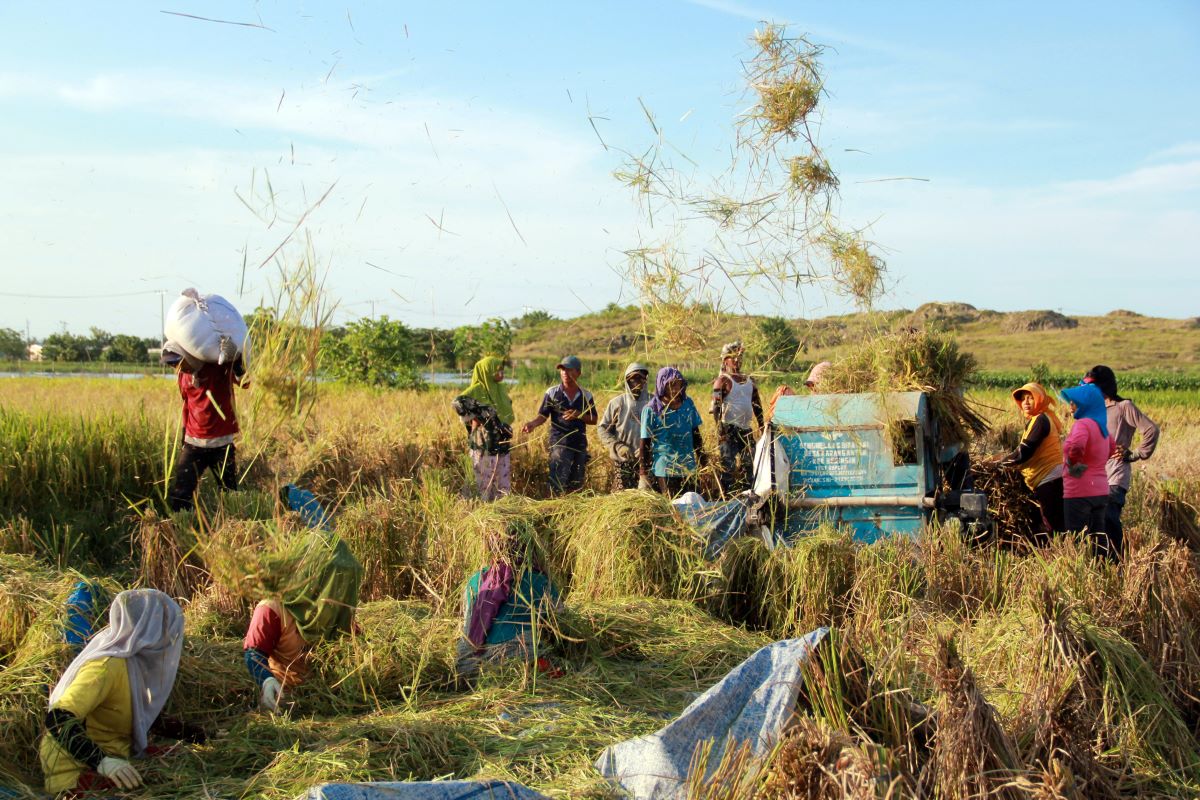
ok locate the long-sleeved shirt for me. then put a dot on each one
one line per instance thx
(622, 422)
(1086, 445)
(1124, 419)
(1039, 454)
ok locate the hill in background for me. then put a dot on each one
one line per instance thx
(1016, 340)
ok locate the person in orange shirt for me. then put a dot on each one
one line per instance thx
(318, 603)
(1039, 455)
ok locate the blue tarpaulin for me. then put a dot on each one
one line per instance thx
(305, 503)
(424, 790)
(721, 520)
(751, 705)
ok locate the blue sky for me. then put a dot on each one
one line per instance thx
(1060, 143)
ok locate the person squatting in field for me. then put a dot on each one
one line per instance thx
(735, 402)
(487, 413)
(210, 424)
(1039, 455)
(570, 409)
(506, 607)
(1124, 420)
(317, 603)
(672, 450)
(620, 428)
(104, 706)
(1085, 451)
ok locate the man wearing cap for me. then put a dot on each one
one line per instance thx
(570, 409)
(735, 403)
(620, 427)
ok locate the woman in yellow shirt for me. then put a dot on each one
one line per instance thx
(102, 707)
(1039, 456)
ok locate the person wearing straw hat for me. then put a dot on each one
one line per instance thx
(487, 413)
(318, 602)
(1124, 420)
(735, 403)
(672, 450)
(103, 706)
(570, 409)
(1039, 455)
(620, 428)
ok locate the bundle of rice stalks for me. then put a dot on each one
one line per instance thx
(628, 543)
(166, 549)
(785, 74)
(672, 633)
(212, 685)
(1161, 598)
(972, 756)
(889, 580)
(788, 591)
(916, 361)
(387, 535)
(26, 589)
(401, 647)
(853, 266)
(1011, 504)
(961, 578)
(1175, 514)
(815, 761)
(811, 174)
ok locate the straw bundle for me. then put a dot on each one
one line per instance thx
(811, 174)
(814, 761)
(853, 266)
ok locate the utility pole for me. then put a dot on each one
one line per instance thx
(162, 314)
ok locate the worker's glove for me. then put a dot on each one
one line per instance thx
(120, 772)
(271, 689)
(644, 483)
(624, 452)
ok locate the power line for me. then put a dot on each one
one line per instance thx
(78, 296)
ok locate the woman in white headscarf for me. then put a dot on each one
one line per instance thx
(103, 706)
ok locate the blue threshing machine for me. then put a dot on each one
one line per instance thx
(873, 462)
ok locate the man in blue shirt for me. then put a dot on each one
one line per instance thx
(570, 409)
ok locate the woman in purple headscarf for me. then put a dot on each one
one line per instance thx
(672, 450)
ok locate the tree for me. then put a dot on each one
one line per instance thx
(773, 344)
(530, 319)
(12, 345)
(128, 349)
(436, 346)
(377, 352)
(65, 347)
(473, 342)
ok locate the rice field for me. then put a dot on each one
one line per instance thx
(956, 672)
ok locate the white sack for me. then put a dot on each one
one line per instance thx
(207, 326)
(768, 448)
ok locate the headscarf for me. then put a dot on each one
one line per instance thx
(816, 373)
(630, 370)
(1089, 404)
(322, 588)
(145, 627)
(485, 389)
(658, 403)
(1042, 403)
(1105, 380)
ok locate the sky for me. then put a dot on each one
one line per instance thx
(1049, 152)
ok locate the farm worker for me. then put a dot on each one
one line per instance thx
(671, 449)
(1085, 452)
(1124, 419)
(209, 424)
(102, 707)
(505, 607)
(735, 402)
(487, 413)
(620, 428)
(570, 409)
(813, 381)
(1039, 455)
(318, 603)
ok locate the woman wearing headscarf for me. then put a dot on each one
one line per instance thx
(621, 425)
(1085, 451)
(1124, 420)
(102, 707)
(1039, 455)
(672, 449)
(487, 413)
(317, 603)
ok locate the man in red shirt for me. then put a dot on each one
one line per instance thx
(209, 426)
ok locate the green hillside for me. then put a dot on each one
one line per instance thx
(1017, 340)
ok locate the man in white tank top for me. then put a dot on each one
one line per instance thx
(735, 405)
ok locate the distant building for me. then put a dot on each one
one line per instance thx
(34, 352)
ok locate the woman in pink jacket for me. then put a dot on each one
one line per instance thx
(1085, 452)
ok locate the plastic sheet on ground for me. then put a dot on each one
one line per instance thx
(751, 705)
(305, 503)
(722, 520)
(423, 790)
